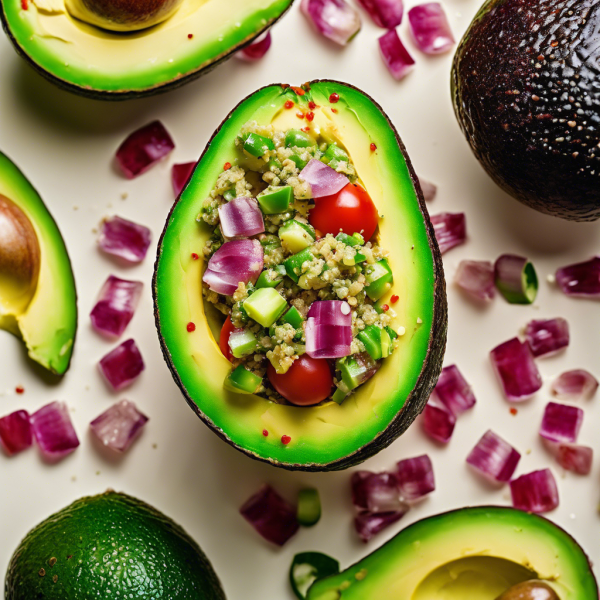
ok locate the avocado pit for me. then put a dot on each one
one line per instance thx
(530, 590)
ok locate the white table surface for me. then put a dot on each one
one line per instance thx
(65, 145)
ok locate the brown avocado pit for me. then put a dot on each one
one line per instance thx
(529, 590)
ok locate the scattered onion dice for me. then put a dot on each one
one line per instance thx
(415, 477)
(575, 458)
(375, 492)
(429, 189)
(385, 13)
(535, 492)
(453, 391)
(53, 430)
(438, 422)
(450, 230)
(257, 49)
(476, 278)
(581, 279)
(395, 56)
(180, 173)
(15, 432)
(123, 365)
(118, 426)
(494, 458)
(561, 422)
(125, 239)
(430, 28)
(335, 19)
(547, 336)
(578, 384)
(368, 524)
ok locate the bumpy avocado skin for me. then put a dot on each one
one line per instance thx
(526, 95)
(107, 546)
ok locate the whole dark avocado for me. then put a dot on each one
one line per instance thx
(526, 92)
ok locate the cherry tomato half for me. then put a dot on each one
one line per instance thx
(350, 210)
(307, 382)
(226, 331)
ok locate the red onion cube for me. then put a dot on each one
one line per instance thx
(547, 336)
(15, 432)
(335, 19)
(453, 391)
(322, 179)
(561, 422)
(180, 174)
(257, 49)
(241, 218)
(438, 422)
(116, 304)
(122, 365)
(429, 189)
(395, 55)
(450, 230)
(53, 430)
(144, 148)
(516, 370)
(575, 458)
(535, 492)
(430, 28)
(375, 492)
(581, 279)
(476, 278)
(272, 516)
(368, 524)
(385, 13)
(124, 239)
(578, 384)
(415, 477)
(494, 458)
(118, 426)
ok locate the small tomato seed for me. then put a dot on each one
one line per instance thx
(288, 104)
(285, 439)
(191, 327)
(265, 432)
(312, 105)
(310, 116)
(195, 256)
(394, 299)
(334, 98)
(334, 110)
(373, 147)
(227, 166)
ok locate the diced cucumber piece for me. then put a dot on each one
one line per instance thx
(352, 371)
(295, 137)
(295, 262)
(257, 145)
(242, 343)
(334, 152)
(393, 335)
(306, 568)
(270, 278)
(296, 235)
(356, 239)
(275, 199)
(298, 161)
(229, 195)
(371, 337)
(242, 381)
(379, 279)
(309, 507)
(293, 317)
(265, 306)
(386, 344)
(273, 164)
(339, 395)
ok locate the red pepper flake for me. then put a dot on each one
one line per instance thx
(334, 110)
(20, 389)
(312, 105)
(285, 86)
(288, 104)
(394, 299)
(191, 327)
(299, 91)
(385, 308)
(265, 432)
(334, 98)
(373, 147)
(285, 439)
(300, 114)
(513, 411)
(195, 256)
(306, 129)
(310, 116)
(190, 36)
(24, 4)
(227, 166)
(554, 44)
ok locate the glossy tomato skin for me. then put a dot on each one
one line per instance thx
(307, 382)
(226, 331)
(350, 210)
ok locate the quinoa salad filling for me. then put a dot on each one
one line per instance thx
(297, 276)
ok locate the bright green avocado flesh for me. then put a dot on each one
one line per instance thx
(46, 316)
(97, 62)
(468, 554)
(110, 546)
(329, 435)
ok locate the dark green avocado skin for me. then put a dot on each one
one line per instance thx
(526, 92)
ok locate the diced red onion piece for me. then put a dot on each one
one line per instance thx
(234, 262)
(385, 13)
(476, 277)
(116, 304)
(180, 173)
(375, 492)
(118, 426)
(415, 477)
(429, 189)
(430, 28)
(494, 458)
(581, 279)
(241, 218)
(438, 422)
(575, 458)
(144, 148)
(453, 391)
(53, 430)
(122, 365)
(15, 432)
(124, 239)
(272, 516)
(395, 55)
(257, 49)
(335, 19)
(547, 336)
(516, 369)
(368, 524)
(328, 329)
(578, 384)
(561, 422)
(535, 492)
(322, 179)
(450, 230)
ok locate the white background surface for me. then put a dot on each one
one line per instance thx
(65, 145)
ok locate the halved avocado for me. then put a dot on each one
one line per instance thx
(471, 553)
(38, 301)
(327, 436)
(111, 65)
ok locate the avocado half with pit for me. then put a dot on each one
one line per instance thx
(472, 553)
(38, 301)
(326, 436)
(133, 57)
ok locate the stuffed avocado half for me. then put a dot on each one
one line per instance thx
(483, 553)
(71, 42)
(383, 379)
(38, 301)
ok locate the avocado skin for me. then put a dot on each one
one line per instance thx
(432, 365)
(134, 536)
(131, 94)
(507, 49)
